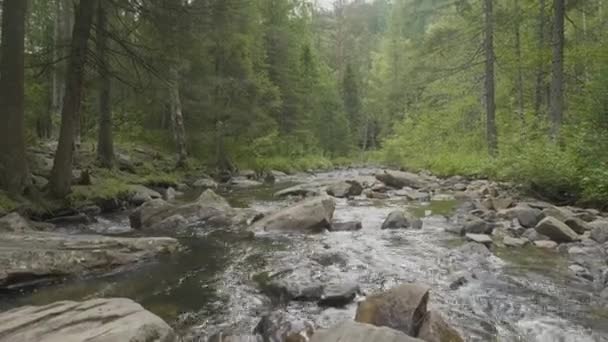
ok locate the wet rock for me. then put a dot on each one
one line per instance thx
(205, 183)
(474, 250)
(359, 332)
(399, 179)
(556, 230)
(71, 220)
(599, 231)
(235, 338)
(96, 320)
(562, 214)
(578, 225)
(169, 194)
(459, 187)
(514, 242)
(346, 226)
(37, 257)
(280, 326)
(379, 187)
(339, 295)
(479, 238)
(14, 223)
(171, 223)
(414, 195)
(375, 195)
(401, 308)
(461, 279)
(331, 258)
(312, 215)
(435, 329)
(455, 229)
(244, 183)
(298, 191)
(547, 244)
(150, 213)
(532, 235)
(142, 194)
(399, 219)
(527, 216)
(247, 174)
(478, 226)
(580, 272)
(345, 189)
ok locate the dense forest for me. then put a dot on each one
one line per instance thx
(514, 90)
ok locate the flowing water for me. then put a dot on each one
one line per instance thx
(519, 295)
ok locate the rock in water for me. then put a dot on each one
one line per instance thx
(479, 238)
(359, 332)
(142, 194)
(599, 231)
(399, 179)
(345, 189)
(280, 326)
(556, 230)
(346, 226)
(547, 244)
(401, 308)
(398, 219)
(527, 216)
(338, 295)
(478, 226)
(96, 320)
(312, 215)
(514, 242)
(14, 223)
(435, 329)
(578, 225)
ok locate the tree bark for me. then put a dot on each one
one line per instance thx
(540, 72)
(520, 73)
(491, 133)
(61, 174)
(557, 69)
(177, 118)
(105, 142)
(14, 175)
(62, 33)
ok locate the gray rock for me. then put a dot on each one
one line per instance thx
(562, 214)
(401, 308)
(547, 244)
(279, 326)
(435, 329)
(399, 219)
(474, 250)
(532, 235)
(527, 216)
(248, 174)
(479, 238)
(502, 203)
(399, 179)
(578, 225)
(221, 337)
(478, 226)
(375, 195)
(298, 191)
(205, 183)
(14, 223)
(359, 332)
(604, 294)
(599, 231)
(36, 257)
(244, 183)
(414, 195)
(514, 242)
(76, 219)
(169, 194)
(580, 272)
(556, 230)
(345, 189)
(312, 215)
(96, 320)
(339, 295)
(346, 226)
(142, 194)
(460, 187)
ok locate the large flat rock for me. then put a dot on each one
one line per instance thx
(312, 215)
(96, 320)
(36, 257)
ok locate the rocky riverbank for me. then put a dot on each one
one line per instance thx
(359, 248)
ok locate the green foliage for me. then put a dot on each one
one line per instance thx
(7, 204)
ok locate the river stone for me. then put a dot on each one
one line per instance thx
(281, 326)
(514, 242)
(399, 179)
(169, 194)
(96, 320)
(401, 308)
(479, 238)
(477, 226)
(244, 183)
(235, 338)
(502, 203)
(562, 214)
(556, 230)
(302, 190)
(76, 219)
(527, 216)
(375, 195)
(339, 295)
(435, 329)
(599, 231)
(312, 215)
(14, 223)
(359, 332)
(580, 272)
(414, 195)
(205, 183)
(346, 226)
(578, 225)
(548, 244)
(142, 194)
(37, 257)
(532, 235)
(399, 219)
(345, 189)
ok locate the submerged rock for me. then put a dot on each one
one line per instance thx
(346, 226)
(96, 320)
(400, 179)
(399, 219)
(359, 332)
(478, 226)
(312, 215)
(556, 230)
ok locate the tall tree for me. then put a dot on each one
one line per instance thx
(105, 141)
(14, 174)
(540, 86)
(557, 69)
(352, 103)
(518, 55)
(490, 101)
(177, 118)
(61, 174)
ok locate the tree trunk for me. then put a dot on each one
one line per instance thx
(14, 175)
(105, 143)
(177, 118)
(61, 175)
(557, 69)
(540, 72)
(520, 73)
(491, 133)
(61, 40)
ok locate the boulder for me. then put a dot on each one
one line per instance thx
(279, 326)
(359, 332)
(150, 213)
(14, 223)
(338, 295)
(205, 183)
(532, 235)
(527, 216)
(581, 272)
(399, 219)
(479, 238)
(346, 226)
(95, 320)
(345, 189)
(401, 308)
(514, 242)
(502, 203)
(399, 179)
(312, 215)
(578, 225)
(599, 231)
(556, 230)
(435, 329)
(478, 226)
(169, 194)
(142, 194)
(248, 174)
(562, 214)
(547, 244)
(39, 257)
